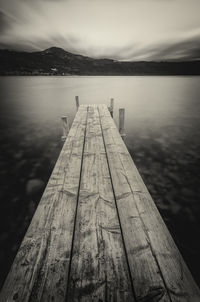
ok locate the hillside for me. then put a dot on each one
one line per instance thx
(57, 61)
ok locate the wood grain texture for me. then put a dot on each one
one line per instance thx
(156, 265)
(40, 269)
(99, 269)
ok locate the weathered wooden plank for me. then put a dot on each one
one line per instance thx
(40, 269)
(145, 273)
(156, 265)
(99, 269)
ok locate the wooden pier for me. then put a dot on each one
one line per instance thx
(97, 234)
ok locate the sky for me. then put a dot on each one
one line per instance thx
(127, 30)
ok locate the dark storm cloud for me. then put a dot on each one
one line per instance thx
(123, 30)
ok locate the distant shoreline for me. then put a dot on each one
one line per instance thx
(58, 62)
(97, 75)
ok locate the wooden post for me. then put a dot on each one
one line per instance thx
(121, 122)
(111, 107)
(77, 102)
(65, 125)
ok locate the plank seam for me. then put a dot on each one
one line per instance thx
(149, 241)
(31, 297)
(76, 210)
(117, 210)
(147, 235)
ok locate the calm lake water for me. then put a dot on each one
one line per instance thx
(163, 136)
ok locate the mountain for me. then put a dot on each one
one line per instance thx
(57, 61)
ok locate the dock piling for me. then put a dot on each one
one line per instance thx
(77, 102)
(121, 122)
(65, 124)
(111, 107)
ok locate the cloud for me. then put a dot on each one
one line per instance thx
(123, 30)
(186, 48)
(3, 22)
